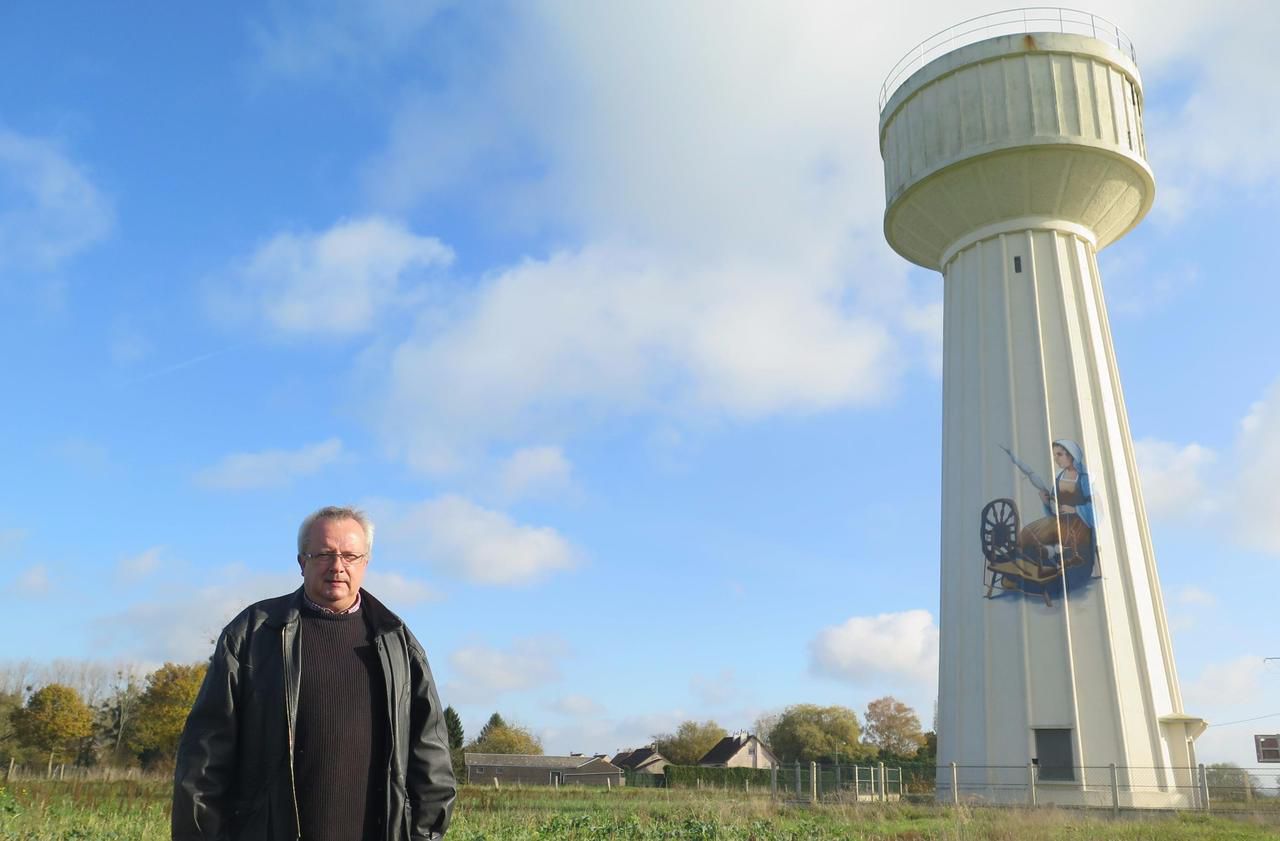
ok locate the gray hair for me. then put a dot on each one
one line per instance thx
(335, 512)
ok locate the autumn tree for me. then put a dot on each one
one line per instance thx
(811, 733)
(54, 719)
(690, 742)
(893, 727)
(163, 708)
(497, 736)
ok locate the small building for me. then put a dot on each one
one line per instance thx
(526, 769)
(741, 750)
(644, 760)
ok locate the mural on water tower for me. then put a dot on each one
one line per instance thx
(1054, 551)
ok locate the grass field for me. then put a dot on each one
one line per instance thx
(138, 811)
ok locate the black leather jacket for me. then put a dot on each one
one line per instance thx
(234, 777)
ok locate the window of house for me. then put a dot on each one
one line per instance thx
(1053, 754)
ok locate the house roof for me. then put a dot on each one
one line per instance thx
(637, 758)
(728, 747)
(521, 760)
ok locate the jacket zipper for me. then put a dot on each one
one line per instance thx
(289, 714)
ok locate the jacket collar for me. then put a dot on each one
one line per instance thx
(287, 610)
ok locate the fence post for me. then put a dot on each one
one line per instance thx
(773, 781)
(813, 782)
(1115, 791)
(837, 777)
(955, 786)
(1031, 782)
(884, 787)
(8, 775)
(797, 779)
(1204, 788)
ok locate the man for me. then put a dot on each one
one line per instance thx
(318, 718)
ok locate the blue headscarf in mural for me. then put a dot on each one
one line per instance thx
(1082, 499)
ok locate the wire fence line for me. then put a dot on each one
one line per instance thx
(1105, 787)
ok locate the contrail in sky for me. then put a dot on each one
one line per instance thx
(178, 366)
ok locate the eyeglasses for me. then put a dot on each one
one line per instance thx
(349, 559)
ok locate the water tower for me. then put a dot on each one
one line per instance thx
(1013, 151)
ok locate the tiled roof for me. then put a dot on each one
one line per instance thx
(521, 760)
(637, 758)
(723, 751)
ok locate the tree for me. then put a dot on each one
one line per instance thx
(690, 742)
(54, 719)
(930, 749)
(893, 727)
(117, 713)
(453, 723)
(162, 711)
(1228, 781)
(506, 738)
(495, 721)
(810, 733)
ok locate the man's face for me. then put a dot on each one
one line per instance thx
(331, 583)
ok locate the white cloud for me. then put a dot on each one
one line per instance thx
(49, 208)
(12, 538)
(865, 649)
(715, 690)
(34, 580)
(588, 734)
(127, 345)
(84, 455)
(607, 330)
(141, 565)
(323, 37)
(1173, 486)
(576, 706)
(1256, 506)
(1223, 56)
(481, 672)
(181, 625)
(535, 469)
(404, 591)
(336, 282)
(1196, 597)
(720, 202)
(482, 545)
(269, 468)
(1231, 683)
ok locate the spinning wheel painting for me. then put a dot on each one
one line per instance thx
(1050, 555)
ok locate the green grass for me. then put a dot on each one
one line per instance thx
(139, 811)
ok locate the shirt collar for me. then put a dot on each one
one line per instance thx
(355, 606)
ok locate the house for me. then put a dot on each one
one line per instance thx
(741, 750)
(525, 769)
(644, 760)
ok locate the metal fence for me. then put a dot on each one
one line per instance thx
(1108, 787)
(1007, 22)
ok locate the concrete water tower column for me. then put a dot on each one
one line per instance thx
(1009, 162)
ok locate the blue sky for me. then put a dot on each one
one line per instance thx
(589, 305)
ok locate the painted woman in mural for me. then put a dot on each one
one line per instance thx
(1055, 550)
(1068, 529)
